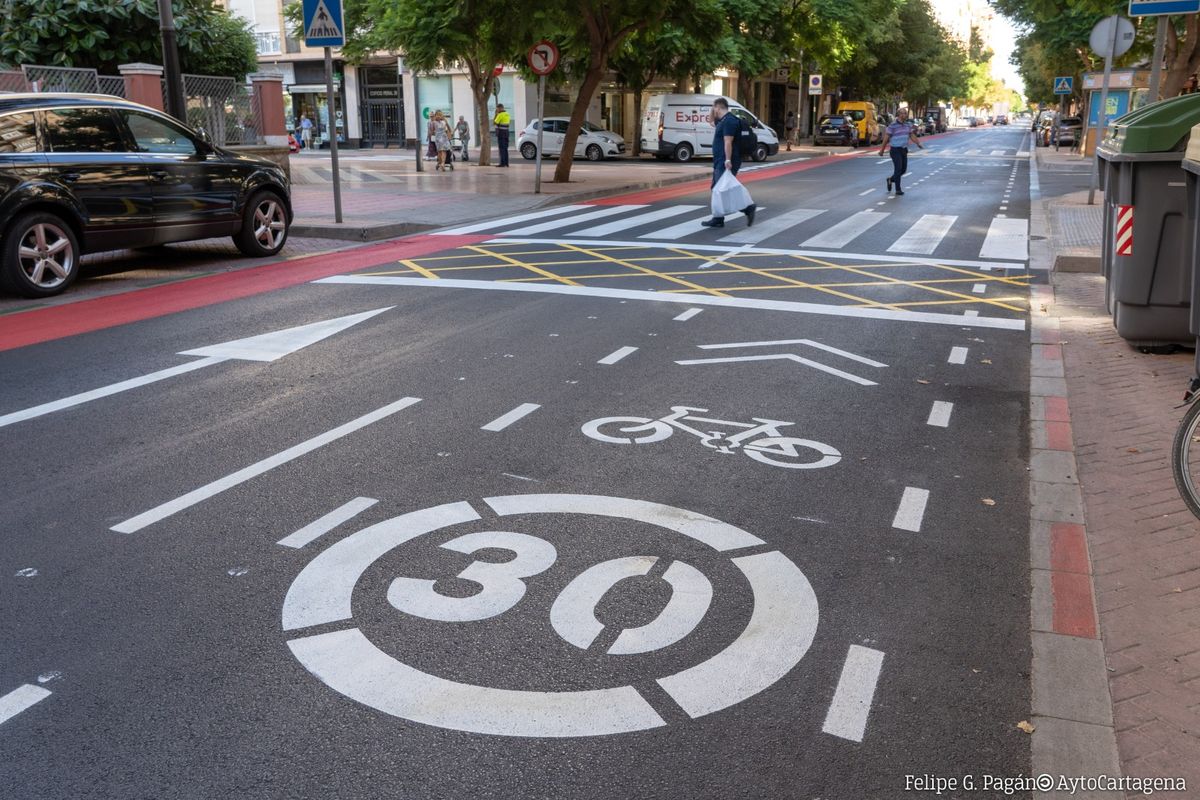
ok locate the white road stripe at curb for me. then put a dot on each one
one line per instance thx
(939, 415)
(912, 510)
(662, 297)
(686, 315)
(958, 355)
(503, 421)
(318, 528)
(617, 355)
(20, 699)
(847, 715)
(146, 518)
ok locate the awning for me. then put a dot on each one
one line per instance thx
(307, 88)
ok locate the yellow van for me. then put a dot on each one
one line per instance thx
(863, 114)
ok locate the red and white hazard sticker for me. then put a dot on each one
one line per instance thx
(1124, 241)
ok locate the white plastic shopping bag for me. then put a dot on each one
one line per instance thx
(729, 196)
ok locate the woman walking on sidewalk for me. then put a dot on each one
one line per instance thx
(898, 135)
(441, 137)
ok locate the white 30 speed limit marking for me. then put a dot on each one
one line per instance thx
(780, 630)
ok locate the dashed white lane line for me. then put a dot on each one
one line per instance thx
(912, 509)
(939, 415)
(146, 518)
(847, 715)
(958, 355)
(617, 355)
(979, 288)
(686, 315)
(20, 699)
(971, 313)
(318, 528)
(503, 421)
(867, 192)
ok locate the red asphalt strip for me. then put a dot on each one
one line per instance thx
(47, 324)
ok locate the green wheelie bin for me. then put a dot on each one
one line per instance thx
(1144, 246)
(1191, 172)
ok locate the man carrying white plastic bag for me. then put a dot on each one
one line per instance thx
(728, 194)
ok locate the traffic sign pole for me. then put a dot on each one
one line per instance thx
(541, 105)
(1160, 39)
(331, 104)
(1102, 117)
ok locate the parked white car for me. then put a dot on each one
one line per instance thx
(678, 126)
(594, 143)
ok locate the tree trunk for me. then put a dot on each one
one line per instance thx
(637, 119)
(744, 84)
(591, 80)
(481, 88)
(1182, 57)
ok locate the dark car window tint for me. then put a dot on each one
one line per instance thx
(152, 135)
(560, 125)
(18, 134)
(83, 130)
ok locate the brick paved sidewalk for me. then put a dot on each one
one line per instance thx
(1144, 544)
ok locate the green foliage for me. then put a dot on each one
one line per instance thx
(106, 33)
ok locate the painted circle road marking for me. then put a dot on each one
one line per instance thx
(782, 624)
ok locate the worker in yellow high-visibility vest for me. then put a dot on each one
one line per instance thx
(502, 121)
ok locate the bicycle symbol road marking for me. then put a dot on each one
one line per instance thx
(759, 439)
(782, 620)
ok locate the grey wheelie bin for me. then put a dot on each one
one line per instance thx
(1191, 167)
(1147, 266)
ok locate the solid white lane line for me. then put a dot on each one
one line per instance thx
(319, 527)
(636, 220)
(772, 225)
(939, 415)
(847, 715)
(958, 355)
(146, 518)
(847, 230)
(912, 509)
(20, 699)
(927, 317)
(979, 288)
(686, 315)
(500, 223)
(562, 222)
(105, 391)
(503, 421)
(1006, 238)
(925, 234)
(617, 355)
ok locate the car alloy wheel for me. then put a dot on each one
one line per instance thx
(46, 255)
(529, 150)
(594, 153)
(270, 223)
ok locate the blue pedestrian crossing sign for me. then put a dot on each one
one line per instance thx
(323, 23)
(1064, 84)
(1157, 8)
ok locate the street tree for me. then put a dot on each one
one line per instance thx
(103, 34)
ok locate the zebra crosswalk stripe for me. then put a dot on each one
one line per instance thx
(847, 230)
(1007, 238)
(684, 228)
(635, 221)
(500, 223)
(925, 234)
(595, 213)
(771, 226)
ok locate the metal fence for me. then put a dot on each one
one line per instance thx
(12, 80)
(224, 108)
(112, 84)
(61, 79)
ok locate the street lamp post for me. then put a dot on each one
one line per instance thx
(176, 104)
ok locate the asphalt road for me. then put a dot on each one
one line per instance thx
(199, 604)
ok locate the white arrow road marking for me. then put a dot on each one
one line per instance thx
(809, 342)
(265, 347)
(134, 524)
(20, 699)
(847, 716)
(782, 357)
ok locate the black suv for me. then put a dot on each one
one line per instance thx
(85, 173)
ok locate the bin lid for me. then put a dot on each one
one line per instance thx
(1161, 127)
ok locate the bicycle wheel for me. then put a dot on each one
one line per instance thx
(783, 451)
(641, 430)
(1185, 458)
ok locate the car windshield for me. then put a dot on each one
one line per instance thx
(832, 120)
(587, 126)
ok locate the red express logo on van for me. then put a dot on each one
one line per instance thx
(692, 116)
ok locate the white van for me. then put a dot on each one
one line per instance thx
(677, 126)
